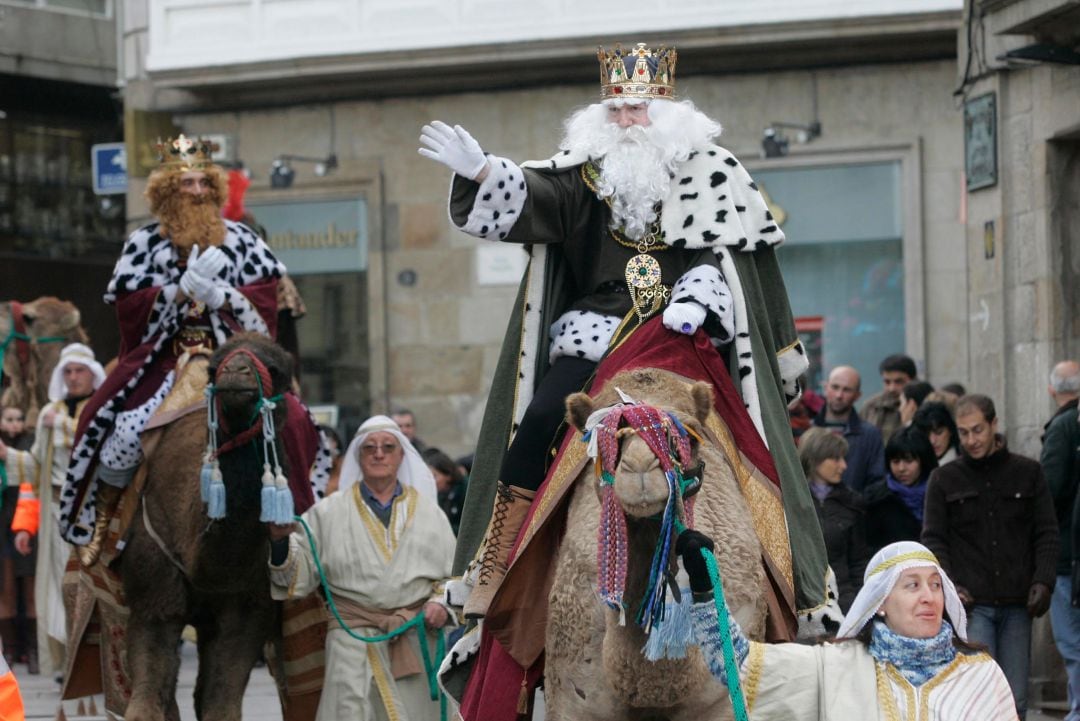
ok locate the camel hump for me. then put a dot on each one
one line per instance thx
(188, 393)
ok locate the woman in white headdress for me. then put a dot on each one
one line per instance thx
(901, 653)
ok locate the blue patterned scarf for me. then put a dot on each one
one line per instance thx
(912, 496)
(917, 659)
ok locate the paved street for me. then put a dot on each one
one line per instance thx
(41, 694)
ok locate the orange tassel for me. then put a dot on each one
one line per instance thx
(523, 696)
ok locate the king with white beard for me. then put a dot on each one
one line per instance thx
(640, 214)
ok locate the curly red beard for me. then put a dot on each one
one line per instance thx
(188, 219)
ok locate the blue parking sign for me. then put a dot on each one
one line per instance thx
(109, 163)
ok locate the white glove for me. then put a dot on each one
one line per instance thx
(685, 317)
(208, 263)
(198, 287)
(454, 148)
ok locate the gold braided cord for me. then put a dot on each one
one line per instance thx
(903, 558)
(886, 699)
(754, 663)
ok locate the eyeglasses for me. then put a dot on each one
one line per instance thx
(369, 449)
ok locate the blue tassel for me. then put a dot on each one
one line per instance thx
(284, 514)
(671, 637)
(268, 510)
(204, 481)
(216, 508)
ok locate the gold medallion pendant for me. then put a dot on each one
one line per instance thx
(647, 293)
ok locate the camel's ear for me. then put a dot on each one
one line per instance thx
(579, 407)
(702, 393)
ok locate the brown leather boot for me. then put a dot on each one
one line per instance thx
(511, 506)
(108, 497)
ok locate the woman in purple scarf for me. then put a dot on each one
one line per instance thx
(894, 507)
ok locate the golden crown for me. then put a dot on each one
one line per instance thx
(185, 154)
(639, 73)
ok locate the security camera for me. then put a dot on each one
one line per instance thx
(773, 143)
(281, 174)
(325, 166)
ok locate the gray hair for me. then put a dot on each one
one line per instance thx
(1065, 383)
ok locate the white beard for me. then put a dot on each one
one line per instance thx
(637, 163)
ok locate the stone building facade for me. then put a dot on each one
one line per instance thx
(420, 325)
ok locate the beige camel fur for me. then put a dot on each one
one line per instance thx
(45, 317)
(595, 669)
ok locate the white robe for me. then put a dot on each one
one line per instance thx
(45, 466)
(378, 567)
(843, 682)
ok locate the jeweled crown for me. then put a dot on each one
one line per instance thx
(183, 153)
(639, 73)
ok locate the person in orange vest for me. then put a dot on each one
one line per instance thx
(11, 703)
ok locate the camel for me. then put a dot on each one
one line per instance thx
(29, 365)
(595, 668)
(209, 574)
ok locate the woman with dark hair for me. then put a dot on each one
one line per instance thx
(894, 506)
(902, 650)
(451, 483)
(936, 421)
(840, 510)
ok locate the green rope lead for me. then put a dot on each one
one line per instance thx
(431, 668)
(731, 664)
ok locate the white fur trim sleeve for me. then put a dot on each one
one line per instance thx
(793, 363)
(581, 334)
(244, 312)
(704, 285)
(499, 201)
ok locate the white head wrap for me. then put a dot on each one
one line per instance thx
(881, 576)
(413, 471)
(74, 353)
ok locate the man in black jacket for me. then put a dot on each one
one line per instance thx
(990, 521)
(1061, 465)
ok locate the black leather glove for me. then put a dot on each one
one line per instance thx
(689, 545)
(1038, 601)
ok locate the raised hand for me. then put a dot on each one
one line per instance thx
(454, 148)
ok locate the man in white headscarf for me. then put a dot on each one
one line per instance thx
(386, 549)
(42, 469)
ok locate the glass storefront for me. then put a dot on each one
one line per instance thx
(843, 262)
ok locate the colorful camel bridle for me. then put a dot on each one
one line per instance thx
(669, 441)
(276, 498)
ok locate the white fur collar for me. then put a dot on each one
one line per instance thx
(713, 202)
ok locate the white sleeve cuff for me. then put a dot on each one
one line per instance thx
(499, 201)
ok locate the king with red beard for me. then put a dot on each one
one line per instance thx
(187, 281)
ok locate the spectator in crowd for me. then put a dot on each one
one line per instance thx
(883, 410)
(451, 483)
(42, 469)
(955, 388)
(1061, 466)
(894, 507)
(989, 519)
(333, 444)
(386, 550)
(406, 421)
(840, 510)
(935, 420)
(911, 398)
(16, 570)
(865, 458)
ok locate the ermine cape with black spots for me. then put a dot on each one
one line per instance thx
(717, 223)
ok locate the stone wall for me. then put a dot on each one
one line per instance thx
(438, 348)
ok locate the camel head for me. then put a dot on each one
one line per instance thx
(55, 323)
(640, 483)
(245, 368)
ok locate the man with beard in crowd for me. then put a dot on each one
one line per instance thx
(639, 215)
(183, 284)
